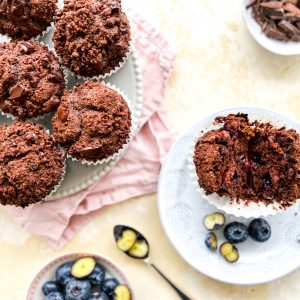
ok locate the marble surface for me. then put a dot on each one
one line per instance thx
(219, 66)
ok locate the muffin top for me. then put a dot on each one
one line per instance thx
(31, 164)
(31, 80)
(25, 19)
(91, 37)
(249, 161)
(92, 122)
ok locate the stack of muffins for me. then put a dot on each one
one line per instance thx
(91, 122)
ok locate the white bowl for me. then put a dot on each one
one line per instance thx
(48, 273)
(275, 46)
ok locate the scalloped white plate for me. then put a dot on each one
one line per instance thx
(182, 210)
(129, 80)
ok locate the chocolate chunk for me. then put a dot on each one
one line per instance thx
(276, 34)
(272, 4)
(92, 152)
(62, 114)
(16, 92)
(123, 28)
(17, 7)
(289, 28)
(289, 7)
(27, 47)
(115, 6)
(33, 166)
(273, 14)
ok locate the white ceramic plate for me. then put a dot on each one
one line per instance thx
(182, 210)
(278, 47)
(129, 80)
(48, 273)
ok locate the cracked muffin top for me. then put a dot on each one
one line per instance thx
(249, 161)
(92, 122)
(25, 19)
(31, 164)
(91, 36)
(31, 80)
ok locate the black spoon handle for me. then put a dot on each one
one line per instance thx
(178, 291)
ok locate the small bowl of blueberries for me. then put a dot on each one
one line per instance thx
(80, 276)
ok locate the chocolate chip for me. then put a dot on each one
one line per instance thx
(115, 7)
(17, 7)
(123, 28)
(33, 166)
(92, 152)
(62, 114)
(16, 92)
(267, 180)
(27, 47)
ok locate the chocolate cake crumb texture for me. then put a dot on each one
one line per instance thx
(26, 19)
(92, 37)
(31, 80)
(31, 164)
(250, 161)
(92, 122)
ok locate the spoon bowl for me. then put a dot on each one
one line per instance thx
(135, 245)
(131, 242)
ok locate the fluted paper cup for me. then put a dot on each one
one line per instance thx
(239, 207)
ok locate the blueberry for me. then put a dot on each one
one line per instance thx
(98, 275)
(211, 241)
(236, 232)
(109, 285)
(63, 273)
(50, 287)
(78, 289)
(259, 230)
(99, 296)
(54, 296)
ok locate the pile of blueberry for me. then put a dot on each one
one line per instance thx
(84, 279)
(235, 232)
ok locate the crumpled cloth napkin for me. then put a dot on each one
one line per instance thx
(137, 172)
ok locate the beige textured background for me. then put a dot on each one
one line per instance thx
(218, 66)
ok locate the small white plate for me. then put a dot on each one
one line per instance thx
(275, 46)
(48, 273)
(129, 80)
(182, 211)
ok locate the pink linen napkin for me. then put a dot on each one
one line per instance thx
(137, 172)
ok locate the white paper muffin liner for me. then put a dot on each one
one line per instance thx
(100, 77)
(56, 187)
(40, 117)
(225, 203)
(8, 39)
(133, 128)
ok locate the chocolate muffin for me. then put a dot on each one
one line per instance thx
(92, 37)
(250, 161)
(31, 80)
(25, 19)
(93, 122)
(31, 164)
